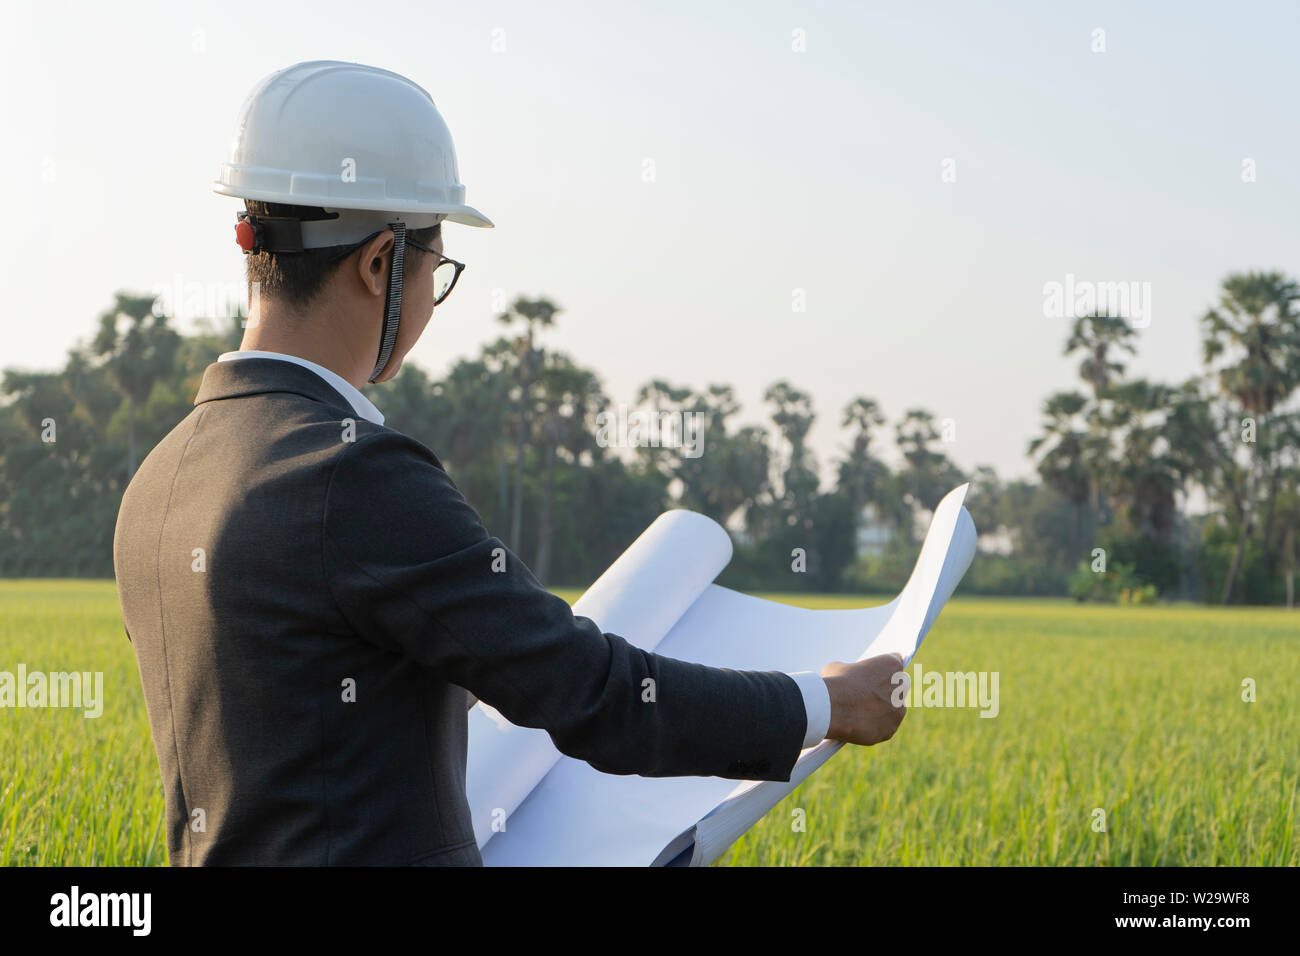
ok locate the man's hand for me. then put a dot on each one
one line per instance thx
(862, 711)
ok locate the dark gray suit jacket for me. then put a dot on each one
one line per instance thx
(270, 571)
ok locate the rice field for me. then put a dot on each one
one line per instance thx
(1121, 739)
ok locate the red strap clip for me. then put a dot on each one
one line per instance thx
(246, 235)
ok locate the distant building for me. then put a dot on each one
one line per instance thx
(874, 534)
(994, 541)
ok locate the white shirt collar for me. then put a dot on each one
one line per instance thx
(360, 404)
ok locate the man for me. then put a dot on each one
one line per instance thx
(312, 603)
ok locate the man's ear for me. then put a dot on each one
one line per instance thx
(372, 264)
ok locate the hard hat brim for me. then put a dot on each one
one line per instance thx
(456, 212)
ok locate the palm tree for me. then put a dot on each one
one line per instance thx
(502, 360)
(793, 415)
(1060, 450)
(532, 314)
(733, 471)
(1279, 446)
(742, 472)
(861, 473)
(139, 348)
(570, 397)
(661, 398)
(1149, 470)
(1254, 332)
(914, 434)
(931, 474)
(1288, 519)
(1097, 336)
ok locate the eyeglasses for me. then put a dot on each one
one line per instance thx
(445, 272)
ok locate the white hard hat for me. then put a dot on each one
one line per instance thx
(363, 149)
(344, 136)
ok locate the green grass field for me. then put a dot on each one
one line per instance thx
(1134, 711)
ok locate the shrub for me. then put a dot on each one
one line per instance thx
(1117, 584)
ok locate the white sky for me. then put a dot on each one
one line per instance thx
(775, 170)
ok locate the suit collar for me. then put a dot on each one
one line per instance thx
(363, 406)
(261, 376)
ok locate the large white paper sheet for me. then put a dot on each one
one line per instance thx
(560, 811)
(639, 597)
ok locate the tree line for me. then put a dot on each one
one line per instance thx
(1128, 454)
(1119, 460)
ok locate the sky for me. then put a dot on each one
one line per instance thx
(858, 198)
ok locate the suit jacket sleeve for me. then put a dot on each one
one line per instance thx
(411, 567)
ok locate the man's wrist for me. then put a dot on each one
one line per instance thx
(817, 706)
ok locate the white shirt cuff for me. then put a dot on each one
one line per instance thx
(817, 703)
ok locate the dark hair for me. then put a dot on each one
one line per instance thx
(296, 277)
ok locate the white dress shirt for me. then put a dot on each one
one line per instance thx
(360, 404)
(816, 698)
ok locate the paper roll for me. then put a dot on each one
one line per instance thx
(640, 597)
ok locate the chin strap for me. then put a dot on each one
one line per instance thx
(393, 300)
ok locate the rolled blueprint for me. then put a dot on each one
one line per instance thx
(576, 815)
(640, 597)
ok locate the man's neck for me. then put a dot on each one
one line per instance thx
(321, 339)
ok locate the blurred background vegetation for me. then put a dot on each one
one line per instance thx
(1144, 490)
